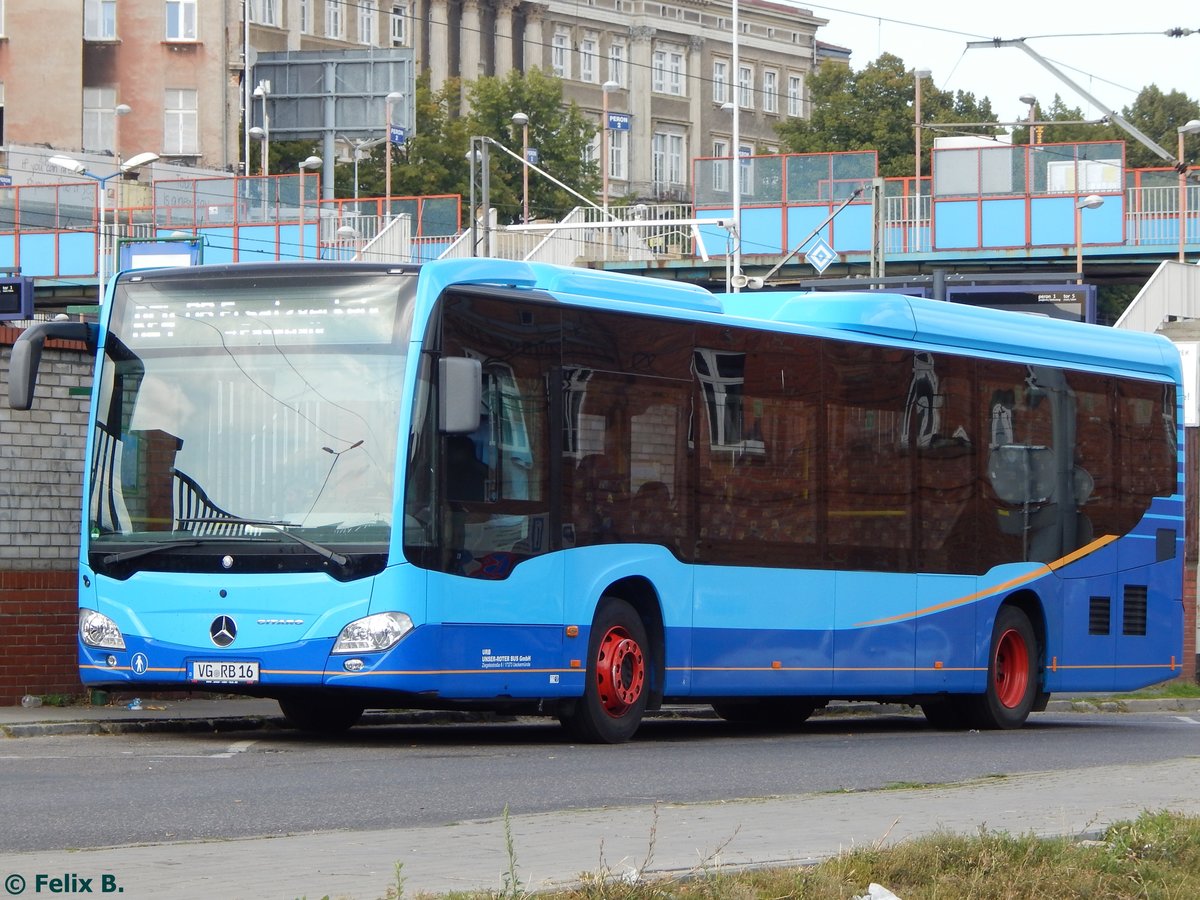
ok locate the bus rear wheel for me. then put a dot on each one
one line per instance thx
(618, 672)
(1012, 679)
(320, 715)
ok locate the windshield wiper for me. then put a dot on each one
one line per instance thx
(146, 551)
(282, 528)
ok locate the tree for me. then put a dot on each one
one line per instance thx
(559, 132)
(873, 110)
(1159, 117)
(432, 159)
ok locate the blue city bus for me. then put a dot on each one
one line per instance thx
(507, 486)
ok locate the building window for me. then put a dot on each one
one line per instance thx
(720, 81)
(746, 87)
(618, 153)
(306, 16)
(265, 12)
(588, 50)
(181, 20)
(770, 91)
(667, 160)
(669, 71)
(99, 117)
(399, 22)
(795, 94)
(99, 20)
(616, 63)
(368, 24)
(335, 19)
(720, 166)
(181, 131)
(745, 168)
(560, 54)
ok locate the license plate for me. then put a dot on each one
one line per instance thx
(224, 672)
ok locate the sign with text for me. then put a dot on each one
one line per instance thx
(618, 121)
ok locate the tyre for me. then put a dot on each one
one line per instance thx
(766, 712)
(618, 673)
(1012, 678)
(320, 715)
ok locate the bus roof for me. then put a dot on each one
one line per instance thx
(957, 326)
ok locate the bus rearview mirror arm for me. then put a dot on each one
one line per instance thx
(27, 355)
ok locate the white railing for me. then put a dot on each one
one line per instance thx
(391, 244)
(641, 235)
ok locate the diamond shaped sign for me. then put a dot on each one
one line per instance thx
(820, 255)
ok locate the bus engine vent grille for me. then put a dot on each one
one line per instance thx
(1134, 620)
(1100, 615)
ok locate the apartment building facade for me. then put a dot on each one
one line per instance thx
(120, 77)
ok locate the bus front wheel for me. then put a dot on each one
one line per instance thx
(618, 671)
(1012, 679)
(320, 715)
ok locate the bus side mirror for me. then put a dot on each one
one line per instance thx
(27, 355)
(461, 392)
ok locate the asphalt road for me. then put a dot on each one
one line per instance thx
(96, 791)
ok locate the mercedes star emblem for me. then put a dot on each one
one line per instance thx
(222, 631)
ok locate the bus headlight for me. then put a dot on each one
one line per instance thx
(373, 634)
(98, 630)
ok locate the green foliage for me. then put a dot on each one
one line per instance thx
(433, 160)
(560, 133)
(874, 110)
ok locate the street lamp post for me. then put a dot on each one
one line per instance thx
(1031, 100)
(919, 75)
(75, 167)
(313, 162)
(392, 97)
(1190, 127)
(262, 91)
(1091, 201)
(736, 67)
(605, 89)
(522, 121)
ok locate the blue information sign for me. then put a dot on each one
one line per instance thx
(618, 121)
(397, 134)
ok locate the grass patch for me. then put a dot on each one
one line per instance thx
(1172, 690)
(1156, 855)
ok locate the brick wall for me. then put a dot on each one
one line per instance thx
(37, 632)
(41, 473)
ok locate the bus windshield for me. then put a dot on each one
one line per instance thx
(229, 406)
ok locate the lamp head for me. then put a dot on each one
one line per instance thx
(1190, 127)
(65, 162)
(1091, 201)
(136, 162)
(1028, 99)
(520, 119)
(311, 163)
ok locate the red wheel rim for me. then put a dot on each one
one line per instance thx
(1011, 670)
(620, 671)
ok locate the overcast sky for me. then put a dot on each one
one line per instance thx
(1122, 48)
